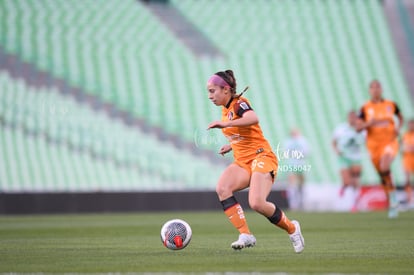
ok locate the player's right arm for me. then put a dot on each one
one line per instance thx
(335, 141)
(225, 149)
(335, 147)
(247, 119)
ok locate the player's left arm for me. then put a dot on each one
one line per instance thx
(400, 117)
(361, 123)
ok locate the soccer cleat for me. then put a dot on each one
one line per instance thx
(392, 213)
(393, 205)
(297, 239)
(245, 240)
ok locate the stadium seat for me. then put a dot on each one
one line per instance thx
(307, 63)
(53, 143)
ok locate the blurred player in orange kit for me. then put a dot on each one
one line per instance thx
(378, 116)
(408, 158)
(255, 165)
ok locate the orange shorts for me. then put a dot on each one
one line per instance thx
(263, 163)
(408, 162)
(378, 151)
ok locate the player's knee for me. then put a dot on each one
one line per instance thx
(257, 204)
(356, 172)
(220, 190)
(345, 176)
(386, 161)
(223, 191)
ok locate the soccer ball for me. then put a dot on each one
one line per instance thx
(176, 234)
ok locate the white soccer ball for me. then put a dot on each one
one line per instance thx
(176, 234)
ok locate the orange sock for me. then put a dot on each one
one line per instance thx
(280, 220)
(286, 224)
(387, 182)
(408, 191)
(235, 214)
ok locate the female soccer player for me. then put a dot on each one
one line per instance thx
(298, 148)
(378, 118)
(408, 158)
(347, 143)
(254, 166)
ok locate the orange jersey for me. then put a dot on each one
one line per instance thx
(408, 154)
(383, 131)
(246, 142)
(407, 143)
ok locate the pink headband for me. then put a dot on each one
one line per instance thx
(218, 81)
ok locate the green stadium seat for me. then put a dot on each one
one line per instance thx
(307, 63)
(78, 149)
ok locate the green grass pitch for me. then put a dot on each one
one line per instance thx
(340, 243)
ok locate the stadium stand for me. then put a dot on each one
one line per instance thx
(307, 63)
(399, 15)
(314, 64)
(53, 143)
(406, 15)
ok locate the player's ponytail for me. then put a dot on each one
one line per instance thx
(228, 77)
(239, 95)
